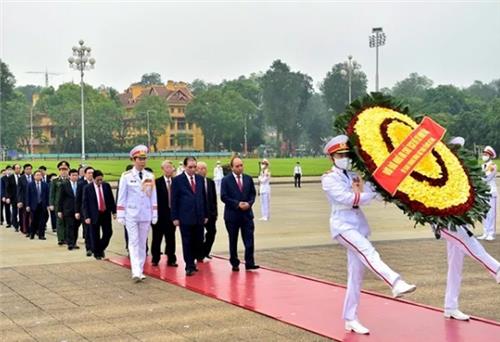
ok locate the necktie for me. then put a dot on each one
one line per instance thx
(193, 186)
(39, 192)
(168, 191)
(140, 175)
(74, 188)
(102, 206)
(240, 185)
(29, 179)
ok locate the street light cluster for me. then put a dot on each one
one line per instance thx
(82, 61)
(376, 39)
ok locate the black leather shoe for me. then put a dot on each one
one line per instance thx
(208, 256)
(98, 257)
(32, 237)
(189, 273)
(70, 248)
(199, 259)
(42, 238)
(89, 253)
(252, 267)
(235, 268)
(60, 243)
(172, 264)
(76, 247)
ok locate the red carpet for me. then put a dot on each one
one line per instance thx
(316, 305)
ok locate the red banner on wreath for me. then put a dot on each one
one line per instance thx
(405, 157)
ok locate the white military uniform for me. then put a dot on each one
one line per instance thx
(137, 208)
(265, 193)
(218, 175)
(458, 244)
(490, 171)
(349, 227)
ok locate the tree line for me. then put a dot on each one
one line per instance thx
(277, 110)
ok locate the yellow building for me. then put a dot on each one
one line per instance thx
(180, 135)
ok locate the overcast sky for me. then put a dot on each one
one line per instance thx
(448, 42)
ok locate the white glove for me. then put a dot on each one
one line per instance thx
(121, 220)
(155, 220)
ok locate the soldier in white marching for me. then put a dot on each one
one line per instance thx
(218, 175)
(458, 244)
(137, 208)
(490, 171)
(346, 192)
(265, 190)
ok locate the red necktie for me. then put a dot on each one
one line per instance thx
(193, 186)
(102, 206)
(240, 185)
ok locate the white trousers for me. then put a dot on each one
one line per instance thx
(218, 182)
(137, 236)
(265, 199)
(361, 254)
(490, 223)
(458, 244)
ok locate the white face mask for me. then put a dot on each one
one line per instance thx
(344, 163)
(485, 158)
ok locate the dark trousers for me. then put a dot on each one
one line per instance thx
(163, 230)
(247, 230)
(53, 220)
(211, 230)
(14, 217)
(101, 242)
(87, 235)
(192, 240)
(296, 180)
(72, 225)
(24, 220)
(38, 217)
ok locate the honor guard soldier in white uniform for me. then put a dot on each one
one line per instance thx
(346, 192)
(137, 208)
(490, 171)
(265, 190)
(458, 244)
(218, 175)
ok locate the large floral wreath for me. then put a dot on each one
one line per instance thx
(444, 189)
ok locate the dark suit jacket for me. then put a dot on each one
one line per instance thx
(231, 196)
(211, 199)
(67, 200)
(3, 187)
(32, 196)
(90, 207)
(22, 188)
(162, 199)
(79, 194)
(188, 207)
(11, 190)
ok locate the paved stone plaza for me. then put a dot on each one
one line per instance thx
(48, 293)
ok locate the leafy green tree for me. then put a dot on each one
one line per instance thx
(335, 86)
(28, 91)
(159, 118)
(318, 122)
(284, 97)
(102, 118)
(412, 89)
(153, 78)
(14, 111)
(444, 99)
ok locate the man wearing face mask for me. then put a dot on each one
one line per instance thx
(346, 192)
(490, 171)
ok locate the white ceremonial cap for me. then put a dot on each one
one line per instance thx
(337, 144)
(139, 151)
(489, 150)
(457, 141)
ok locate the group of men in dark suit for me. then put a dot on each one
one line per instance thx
(29, 199)
(189, 201)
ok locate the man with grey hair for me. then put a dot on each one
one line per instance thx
(210, 225)
(165, 227)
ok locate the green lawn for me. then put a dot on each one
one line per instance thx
(280, 167)
(114, 168)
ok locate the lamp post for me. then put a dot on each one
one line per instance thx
(376, 39)
(149, 131)
(348, 71)
(81, 61)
